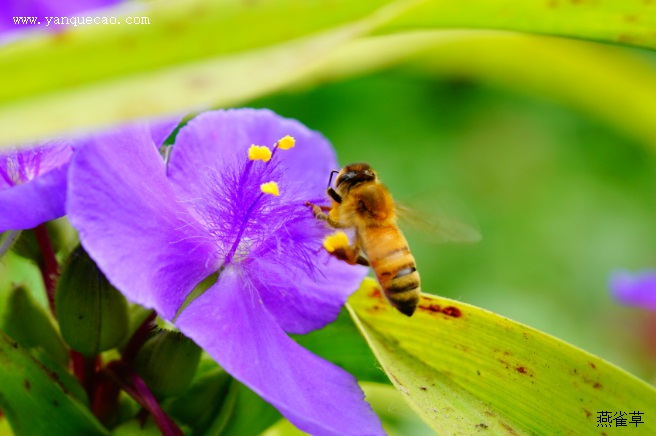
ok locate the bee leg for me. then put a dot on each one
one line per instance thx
(319, 214)
(350, 255)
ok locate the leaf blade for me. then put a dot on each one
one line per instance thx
(518, 372)
(31, 395)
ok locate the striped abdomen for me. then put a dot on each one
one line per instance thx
(394, 265)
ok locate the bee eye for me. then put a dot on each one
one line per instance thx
(344, 177)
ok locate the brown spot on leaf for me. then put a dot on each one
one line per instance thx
(478, 372)
(592, 365)
(375, 293)
(552, 4)
(482, 425)
(626, 38)
(55, 403)
(423, 388)
(488, 413)
(27, 384)
(631, 18)
(508, 428)
(597, 385)
(588, 414)
(452, 311)
(521, 370)
(435, 308)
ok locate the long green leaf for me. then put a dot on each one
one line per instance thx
(36, 400)
(629, 22)
(464, 369)
(201, 53)
(597, 79)
(192, 55)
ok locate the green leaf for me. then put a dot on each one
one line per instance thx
(593, 78)
(247, 404)
(629, 22)
(194, 54)
(200, 53)
(204, 402)
(31, 326)
(464, 369)
(34, 398)
(341, 343)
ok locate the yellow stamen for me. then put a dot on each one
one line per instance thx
(286, 143)
(335, 241)
(270, 188)
(259, 152)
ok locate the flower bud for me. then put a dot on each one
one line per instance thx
(30, 325)
(167, 362)
(92, 314)
(26, 245)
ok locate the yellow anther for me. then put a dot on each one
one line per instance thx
(270, 188)
(335, 241)
(259, 152)
(286, 143)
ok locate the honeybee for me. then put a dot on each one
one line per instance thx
(361, 202)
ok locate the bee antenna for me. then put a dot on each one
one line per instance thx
(330, 180)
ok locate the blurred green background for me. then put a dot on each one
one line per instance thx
(561, 199)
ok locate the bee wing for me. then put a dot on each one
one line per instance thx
(437, 219)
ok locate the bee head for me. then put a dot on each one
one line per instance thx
(353, 174)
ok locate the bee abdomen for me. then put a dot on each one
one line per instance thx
(404, 290)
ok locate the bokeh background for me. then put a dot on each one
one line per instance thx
(561, 199)
(550, 156)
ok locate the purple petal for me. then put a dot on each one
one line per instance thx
(214, 139)
(29, 204)
(33, 185)
(130, 222)
(161, 129)
(635, 289)
(205, 169)
(230, 322)
(301, 302)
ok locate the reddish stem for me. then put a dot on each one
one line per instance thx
(138, 338)
(84, 369)
(134, 385)
(105, 399)
(49, 267)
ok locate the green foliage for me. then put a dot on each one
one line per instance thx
(31, 394)
(29, 325)
(162, 68)
(464, 369)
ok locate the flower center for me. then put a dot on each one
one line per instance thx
(242, 246)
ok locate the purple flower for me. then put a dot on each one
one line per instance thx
(637, 289)
(157, 232)
(33, 178)
(33, 185)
